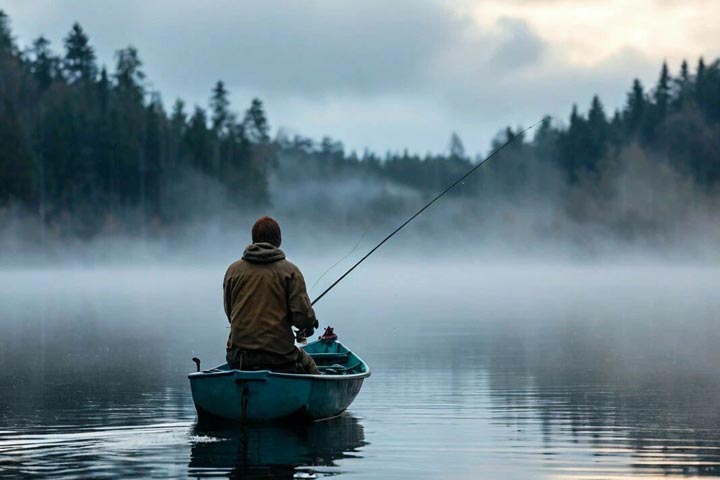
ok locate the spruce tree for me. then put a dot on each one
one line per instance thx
(456, 147)
(573, 143)
(682, 86)
(104, 142)
(545, 140)
(635, 108)
(661, 96)
(596, 116)
(103, 89)
(711, 92)
(152, 156)
(598, 134)
(220, 108)
(255, 123)
(79, 61)
(43, 63)
(17, 169)
(700, 81)
(684, 72)
(129, 74)
(261, 152)
(178, 118)
(197, 141)
(7, 41)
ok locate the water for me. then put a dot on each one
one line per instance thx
(479, 371)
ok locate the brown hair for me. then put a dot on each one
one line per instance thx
(266, 230)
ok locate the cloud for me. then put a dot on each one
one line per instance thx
(522, 46)
(301, 48)
(388, 75)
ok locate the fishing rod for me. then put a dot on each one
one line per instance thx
(357, 244)
(427, 205)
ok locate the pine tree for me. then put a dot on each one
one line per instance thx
(573, 144)
(456, 147)
(220, 107)
(129, 74)
(197, 140)
(545, 140)
(7, 41)
(711, 93)
(682, 86)
(152, 156)
(700, 82)
(599, 133)
(104, 147)
(261, 152)
(255, 123)
(128, 115)
(43, 63)
(661, 95)
(17, 169)
(635, 108)
(596, 116)
(79, 62)
(684, 72)
(178, 118)
(103, 89)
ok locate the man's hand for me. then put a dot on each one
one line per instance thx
(302, 335)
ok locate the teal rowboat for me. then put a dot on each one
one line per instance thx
(264, 396)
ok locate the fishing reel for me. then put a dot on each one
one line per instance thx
(329, 335)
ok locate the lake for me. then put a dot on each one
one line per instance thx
(481, 369)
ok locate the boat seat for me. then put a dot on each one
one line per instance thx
(337, 369)
(329, 358)
(333, 369)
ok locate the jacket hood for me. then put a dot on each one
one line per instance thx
(262, 253)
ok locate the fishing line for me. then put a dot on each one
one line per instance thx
(346, 256)
(427, 205)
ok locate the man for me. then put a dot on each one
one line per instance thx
(265, 297)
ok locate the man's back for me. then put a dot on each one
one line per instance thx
(264, 296)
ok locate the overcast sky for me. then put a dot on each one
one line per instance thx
(391, 74)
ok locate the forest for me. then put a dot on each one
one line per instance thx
(87, 150)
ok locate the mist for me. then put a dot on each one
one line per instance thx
(635, 212)
(555, 314)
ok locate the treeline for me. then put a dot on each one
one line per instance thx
(86, 149)
(677, 121)
(83, 146)
(635, 171)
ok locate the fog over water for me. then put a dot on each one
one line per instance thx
(554, 316)
(640, 210)
(483, 366)
(507, 338)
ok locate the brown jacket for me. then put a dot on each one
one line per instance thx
(264, 296)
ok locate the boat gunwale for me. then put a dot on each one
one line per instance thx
(294, 376)
(291, 376)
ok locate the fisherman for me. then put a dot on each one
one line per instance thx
(264, 297)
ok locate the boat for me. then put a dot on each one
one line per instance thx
(265, 396)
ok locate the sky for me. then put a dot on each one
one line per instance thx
(391, 74)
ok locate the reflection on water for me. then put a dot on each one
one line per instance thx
(275, 451)
(658, 427)
(179, 449)
(468, 382)
(94, 452)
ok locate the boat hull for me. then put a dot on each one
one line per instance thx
(264, 396)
